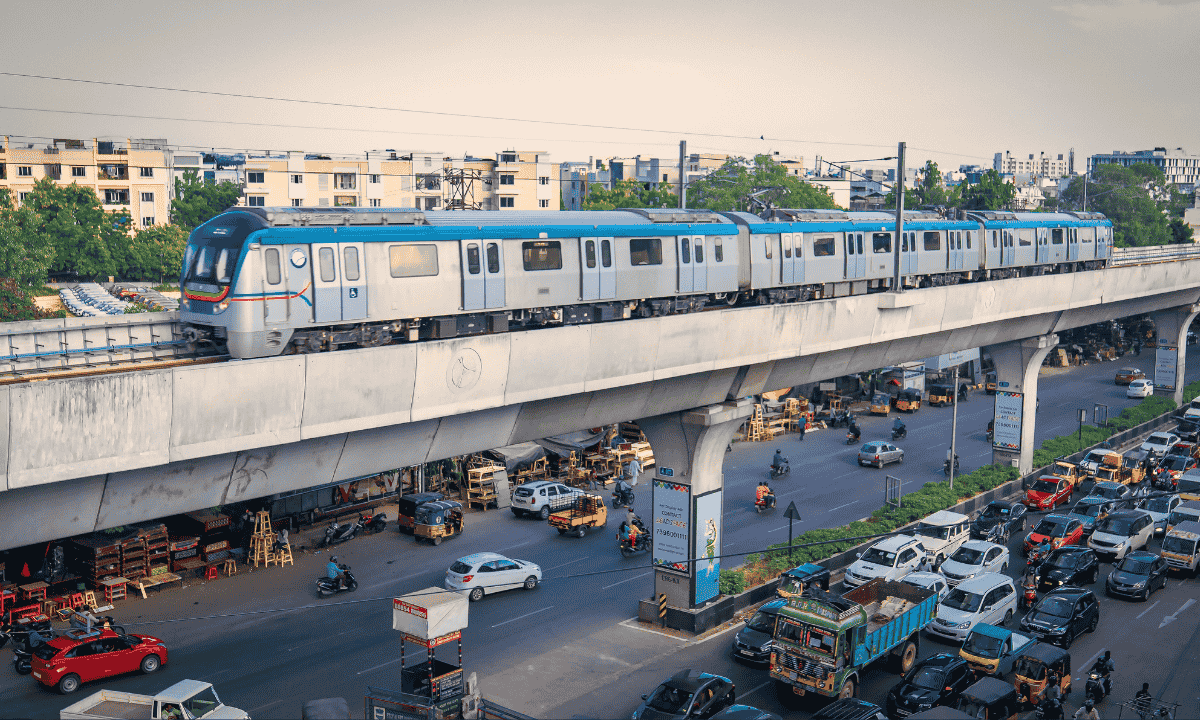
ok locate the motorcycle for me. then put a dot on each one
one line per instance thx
(374, 523)
(1094, 687)
(778, 471)
(640, 544)
(899, 433)
(766, 503)
(335, 534)
(1028, 595)
(946, 466)
(329, 586)
(622, 494)
(852, 437)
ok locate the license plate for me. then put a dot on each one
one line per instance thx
(745, 652)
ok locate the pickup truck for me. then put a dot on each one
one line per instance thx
(991, 650)
(824, 642)
(586, 511)
(185, 700)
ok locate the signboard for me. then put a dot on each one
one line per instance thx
(433, 642)
(949, 360)
(666, 472)
(672, 513)
(1166, 359)
(708, 546)
(1007, 420)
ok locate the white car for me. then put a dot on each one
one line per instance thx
(1139, 389)
(542, 497)
(1120, 533)
(1193, 409)
(489, 573)
(974, 558)
(989, 598)
(943, 533)
(929, 581)
(1160, 442)
(891, 559)
(1160, 509)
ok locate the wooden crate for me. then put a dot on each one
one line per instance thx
(481, 485)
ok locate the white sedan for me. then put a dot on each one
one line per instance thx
(489, 573)
(974, 558)
(1139, 389)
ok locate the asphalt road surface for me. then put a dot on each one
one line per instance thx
(267, 644)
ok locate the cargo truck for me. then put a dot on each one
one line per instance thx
(823, 642)
(185, 700)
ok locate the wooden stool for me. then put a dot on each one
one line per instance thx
(89, 600)
(230, 567)
(114, 589)
(76, 601)
(49, 606)
(211, 573)
(35, 591)
(284, 556)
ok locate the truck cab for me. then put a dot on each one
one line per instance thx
(1181, 547)
(991, 650)
(1069, 471)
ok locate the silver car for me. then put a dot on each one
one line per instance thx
(879, 453)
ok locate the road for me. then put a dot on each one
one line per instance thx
(267, 644)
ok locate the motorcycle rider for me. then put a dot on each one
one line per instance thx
(1143, 698)
(1087, 712)
(854, 432)
(1053, 710)
(779, 462)
(334, 572)
(763, 494)
(898, 427)
(1105, 666)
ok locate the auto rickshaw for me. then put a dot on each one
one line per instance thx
(438, 520)
(407, 509)
(908, 401)
(941, 395)
(990, 698)
(793, 582)
(1136, 462)
(881, 404)
(1032, 672)
(990, 383)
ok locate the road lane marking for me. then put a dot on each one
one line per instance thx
(522, 617)
(264, 707)
(1156, 602)
(1172, 618)
(389, 662)
(751, 691)
(622, 582)
(585, 557)
(839, 507)
(519, 545)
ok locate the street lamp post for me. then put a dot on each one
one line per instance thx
(953, 427)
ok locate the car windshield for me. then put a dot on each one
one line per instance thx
(982, 645)
(1189, 485)
(1060, 469)
(927, 678)
(1056, 606)
(1156, 440)
(1086, 509)
(45, 651)
(1114, 526)
(1095, 456)
(1051, 528)
(762, 622)
(1106, 473)
(968, 556)
(1159, 505)
(1134, 566)
(201, 703)
(1030, 669)
(1106, 491)
(1045, 486)
(1179, 545)
(670, 699)
(961, 600)
(994, 511)
(1062, 560)
(933, 531)
(460, 568)
(1175, 462)
(876, 556)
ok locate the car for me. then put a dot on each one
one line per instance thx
(1189, 485)
(69, 660)
(1177, 465)
(942, 533)
(929, 581)
(753, 643)
(1189, 427)
(890, 558)
(1122, 532)
(937, 680)
(850, 709)
(542, 497)
(1048, 492)
(745, 712)
(1191, 411)
(1111, 491)
(879, 453)
(1007, 512)
(1127, 375)
(1139, 389)
(485, 572)
(1160, 508)
(989, 598)
(1089, 510)
(1138, 574)
(1076, 566)
(687, 694)
(1160, 442)
(974, 558)
(1062, 615)
(1060, 530)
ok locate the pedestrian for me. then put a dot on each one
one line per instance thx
(632, 471)
(801, 426)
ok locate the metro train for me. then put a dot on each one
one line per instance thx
(265, 281)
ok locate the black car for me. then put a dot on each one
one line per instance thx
(1061, 616)
(1077, 566)
(1010, 513)
(687, 694)
(1137, 575)
(937, 680)
(745, 712)
(1188, 430)
(753, 642)
(850, 709)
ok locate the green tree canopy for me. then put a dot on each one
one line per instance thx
(992, 192)
(88, 241)
(26, 252)
(16, 304)
(198, 200)
(628, 194)
(930, 190)
(155, 253)
(731, 187)
(1137, 199)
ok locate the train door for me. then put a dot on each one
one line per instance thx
(493, 274)
(608, 273)
(683, 251)
(327, 283)
(856, 261)
(1103, 240)
(472, 274)
(299, 283)
(787, 275)
(589, 268)
(908, 254)
(798, 258)
(354, 282)
(954, 252)
(1009, 255)
(275, 294)
(699, 264)
(1042, 238)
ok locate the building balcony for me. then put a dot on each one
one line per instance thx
(112, 172)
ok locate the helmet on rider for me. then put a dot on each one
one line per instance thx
(333, 558)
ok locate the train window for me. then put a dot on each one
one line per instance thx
(860, 246)
(606, 253)
(700, 251)
(350, 263)
(958, 239)
(685, 251)
(767, 246)
(882, 242)
(326, 260)
(271, 259)
(473, 259)
(414, 260)
(787, 246)
(994, 234)
(719, 251)
(542, 255)
(1056, 236)
(1023, 240)
(968, 239)
(933, 241)
(590, 253)
(903, 242)
(645, 251)
(849, 244)
(823, 247)
(493, 257)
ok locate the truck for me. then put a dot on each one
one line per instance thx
(185, 700)
(1066, 470)
(586, 511)
(824, 642)
(991, 650)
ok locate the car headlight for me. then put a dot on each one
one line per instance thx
(964, 624)
(1140, 583)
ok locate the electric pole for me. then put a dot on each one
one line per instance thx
(897, 285)
(682, 175)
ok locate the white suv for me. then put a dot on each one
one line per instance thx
(943, 533)
(542, 497)
(891, 559)
(989, 598)
(1120, 533)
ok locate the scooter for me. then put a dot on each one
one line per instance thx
(780, 470)
(766, 503)
(335, 534)
(329, 586)
(374, 523)
(622, 494)
(852, 437)
(900, 433)
(1028, 595)
(640, 544)
(946, 466)
(1094, 688)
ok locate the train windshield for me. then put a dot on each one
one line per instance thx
(213, 251)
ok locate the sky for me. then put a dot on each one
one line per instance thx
(957, 81)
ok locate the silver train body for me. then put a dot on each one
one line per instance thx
(266, 281)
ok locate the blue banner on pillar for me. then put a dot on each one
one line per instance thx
(707, 524)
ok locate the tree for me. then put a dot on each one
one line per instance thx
(26, 253)
(1181, 232)
(733, 185)
(992, 192)
(155, 252)
(628, 194)
(87, 240)
(16, 304)
(198, 200)
(1137, 199)
(929, 191)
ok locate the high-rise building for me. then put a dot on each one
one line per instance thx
(1180, 168)
(1041, 165)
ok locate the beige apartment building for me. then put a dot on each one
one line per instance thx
(131, 175)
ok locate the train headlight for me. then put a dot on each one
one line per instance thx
(220, 307)
(183, 304)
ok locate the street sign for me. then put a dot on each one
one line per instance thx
(1083, 416)
(791, 513)
(666, 472)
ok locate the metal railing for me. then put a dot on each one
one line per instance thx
(1156, 253)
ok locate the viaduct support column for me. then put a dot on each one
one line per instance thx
(1170, 351)
(1017, 365)
(689, 448)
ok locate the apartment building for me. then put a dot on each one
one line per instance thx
(1043, 165)
(1180, 168)
(132, 175)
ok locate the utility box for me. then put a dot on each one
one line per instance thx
(430, 613)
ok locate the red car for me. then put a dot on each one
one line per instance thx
(1048, 492)
(72, 659)
(1060, 530)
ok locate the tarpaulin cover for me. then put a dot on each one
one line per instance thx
(563, 445)
(516, 455)
(430, 613)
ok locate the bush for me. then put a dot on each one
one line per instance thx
(732, 582)
(17, 304)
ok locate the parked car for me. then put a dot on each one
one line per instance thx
(67, 661)
(1077, 566)
(1011, 514)
(1122, 532)
(1160, 442)
(1127, 375)
(975, 557)
(1062, 615)
(942, 533)
(1137, 575)
(753, 642)
(989, 598)
(850, 709)
(1160, 509)
(1111, 491)
(1048, 492)
(1060, 530)
(936, 680)
(687, 694)
(745, 712)
(542, 497)
(1089, 510)
(879, 453)
(891, 559)
(929, 581)
(486, 572)
(1139, 389)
